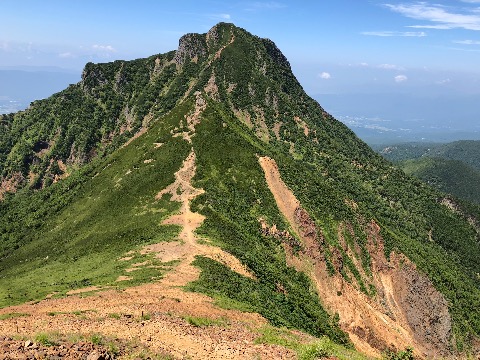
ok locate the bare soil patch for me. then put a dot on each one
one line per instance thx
(397, 317)
(155, 315)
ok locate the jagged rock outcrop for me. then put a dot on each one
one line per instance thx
(190, 47)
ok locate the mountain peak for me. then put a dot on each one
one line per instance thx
(194, 46)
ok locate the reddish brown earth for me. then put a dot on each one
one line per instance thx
(407, 310)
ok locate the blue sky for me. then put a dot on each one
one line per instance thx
(334, 46)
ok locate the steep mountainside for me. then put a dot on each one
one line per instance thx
(212, 157)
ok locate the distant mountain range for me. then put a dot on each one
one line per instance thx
(22, 85)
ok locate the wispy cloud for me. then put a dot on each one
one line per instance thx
(102, 51)
(222, 16)
(390, 67)
(395, 33)
(103, 48)
(443, 82)
(400, 78)
(467, 42)
(18, 47)
(325, 75)
(438, 16)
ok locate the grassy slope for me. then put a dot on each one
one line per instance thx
(406, 210)
(88, 221)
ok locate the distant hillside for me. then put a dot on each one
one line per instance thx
(404, 151)
(208, 171)
(453, 168)
(450, 176)
(466, 151)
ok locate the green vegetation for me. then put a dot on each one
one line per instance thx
(96, 339)
(450, 176)
(114, 316)
(452, 168)
(466, 151)
(12, 315)
(107, 207)
(203, 321)
(47, 339)
(406, 354)
(91, 220)
(145, 317)
(306, 349)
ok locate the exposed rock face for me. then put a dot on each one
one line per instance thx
(406, 311)
(9, 185)
(18, 349)
(190, 46)
(425, 309)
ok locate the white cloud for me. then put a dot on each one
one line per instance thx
(103, 48)
(400, 78)
(395, 33)
(390, 67)
(467, 42)
(434, 27)
(325, 75)
(443, 82)
(439, 16)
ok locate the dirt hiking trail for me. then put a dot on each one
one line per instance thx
(156, 315)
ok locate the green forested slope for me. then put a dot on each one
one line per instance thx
(466, 151)
(450, 176)
(452, 168)
(255, 107)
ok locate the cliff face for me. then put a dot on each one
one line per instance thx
(215, 150)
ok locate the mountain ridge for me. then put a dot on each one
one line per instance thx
(361, 226)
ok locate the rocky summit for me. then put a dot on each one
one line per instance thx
(199, 204)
